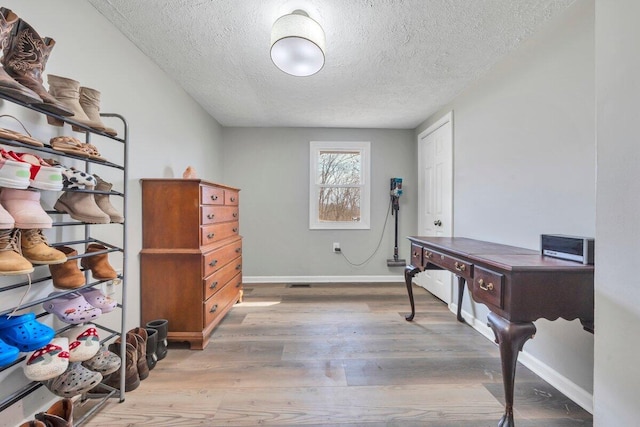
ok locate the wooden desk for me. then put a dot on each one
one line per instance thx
(518, 286)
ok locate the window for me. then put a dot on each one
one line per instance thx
(339, 185)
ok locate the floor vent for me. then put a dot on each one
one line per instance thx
(299, 285)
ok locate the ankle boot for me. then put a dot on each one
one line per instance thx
(152, 346)
(67, 275)
(90, 102)
(11, 260)
(24, 206)
(36, 249)
(9, 86)
(98, 264)
(60, 414)
(25, 57)
(162, 326)
(82, 207)
(67, 91)
(103, 202)
(33, 423)
(140, 334)
(131, 377)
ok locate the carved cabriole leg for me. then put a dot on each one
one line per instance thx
(409, 272)
(461, 284)
(511, 338)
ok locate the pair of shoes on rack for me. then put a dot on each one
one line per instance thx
(23, 170)
(82, 306)
(13, 135)
(84, 102)
(22, 209)
(20, 249)
(93, 208)
(23, 63)
(24, 332)
(60, 414)
(70, 145)
(67, 275)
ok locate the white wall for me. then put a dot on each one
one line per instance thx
(168, 132)
(271, 166)
(617, 344)
(524, 164)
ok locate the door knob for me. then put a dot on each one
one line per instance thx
(437, 223)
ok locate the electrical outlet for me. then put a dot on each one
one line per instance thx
(336, 247)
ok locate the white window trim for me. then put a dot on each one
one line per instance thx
(364, 147)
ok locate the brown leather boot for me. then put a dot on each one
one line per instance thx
(25, 57)
(131, 377)
(90, 102)
(67, 91)
(9, 86)
(98, 264)
(36, 249)
(60, 414)
(67, 275)
(140, 335)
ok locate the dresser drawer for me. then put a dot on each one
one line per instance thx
(211, 195)
(216, 214)
(215, 305)
(231, 198)
(217, 280)
(455, 265)
(213, 233)
(217, 258)
(488, 286)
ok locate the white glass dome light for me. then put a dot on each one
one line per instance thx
(297, 44)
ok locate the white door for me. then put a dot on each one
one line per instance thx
(435, 198)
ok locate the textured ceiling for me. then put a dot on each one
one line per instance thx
(389, 63)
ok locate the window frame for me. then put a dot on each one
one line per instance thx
(364, 148)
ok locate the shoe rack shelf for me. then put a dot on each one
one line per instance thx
(110, 334)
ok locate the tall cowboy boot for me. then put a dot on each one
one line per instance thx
(103, 202)
(141, 337)
(90, 102)
(9, 86)
(131, 377)
(25, 56)
(60, 414)
(67, 91)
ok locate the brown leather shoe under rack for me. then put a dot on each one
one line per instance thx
(12, 282)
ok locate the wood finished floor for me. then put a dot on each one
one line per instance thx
(337, 355)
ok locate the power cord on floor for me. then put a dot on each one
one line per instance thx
(377, 247)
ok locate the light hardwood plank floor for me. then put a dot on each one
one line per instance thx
(337, 355)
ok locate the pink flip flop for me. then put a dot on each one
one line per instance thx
(71, 308)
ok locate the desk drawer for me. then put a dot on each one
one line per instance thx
(215, 305)
(488, 286)
(217, 280)
(215, 214)
(211, 196)
(215, 232)
(455, 265)
(416, 255)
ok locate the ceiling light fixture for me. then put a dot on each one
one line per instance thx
(297, 44)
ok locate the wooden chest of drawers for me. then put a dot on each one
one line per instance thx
(191, 258)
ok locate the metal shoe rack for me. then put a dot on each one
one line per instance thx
(100, 399)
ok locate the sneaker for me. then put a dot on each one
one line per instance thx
(13, 173)
(11, 260)
(42, 175)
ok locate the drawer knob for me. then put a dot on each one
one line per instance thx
(428, 254)
(210, 216)
(213, 285)
(238, 284)
(212, 263)
(233, 199)
(239, 267)
(235, 229)
(238, 250)
(235, 214)
(214, 197)
(214, 308)
(416, 254)
(460, 266)
(485, 287)
(210, 236)
(442, 257)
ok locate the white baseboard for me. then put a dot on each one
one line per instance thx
(323, 279)
(579, 395)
